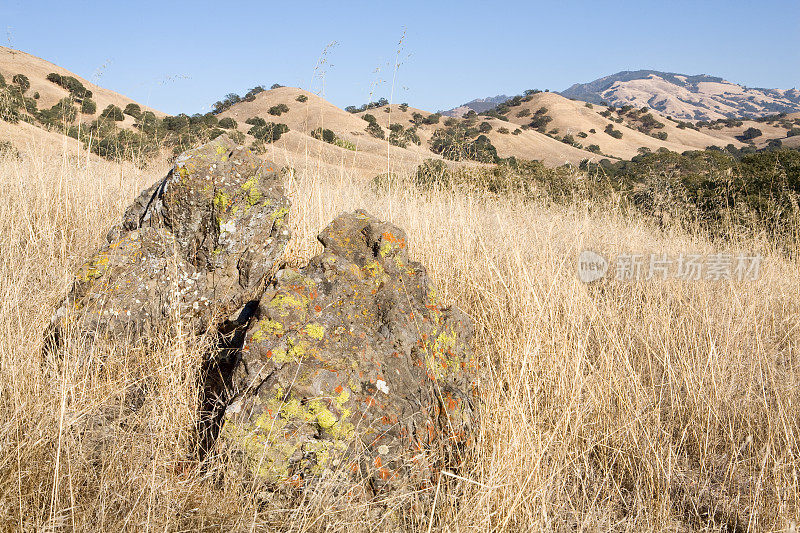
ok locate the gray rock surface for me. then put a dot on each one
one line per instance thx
(352, 369)
(195, 247)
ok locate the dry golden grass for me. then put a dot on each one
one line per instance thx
(649, 406)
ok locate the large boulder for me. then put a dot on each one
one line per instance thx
(351, 370)
(196, 247)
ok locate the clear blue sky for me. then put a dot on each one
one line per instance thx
(183, 56)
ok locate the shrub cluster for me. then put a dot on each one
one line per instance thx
(462, 142)
(373, 128)
(371, 105)
(540, 120)
(611, 131)
(400, 136)
(330, 137)
(74, 86)
(269, 131)
(227, 123)
(113, 112)
(278, 110)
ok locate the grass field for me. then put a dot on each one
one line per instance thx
(626, 406)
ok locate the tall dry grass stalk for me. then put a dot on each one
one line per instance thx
(651, 405)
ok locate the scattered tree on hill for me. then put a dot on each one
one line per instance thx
(330, 137)
(256, 121)
(276, 86)
(133, 110)
(21, 81)
(174, 123)
(523, 113)
(227, 123)
(226, 103)
(371, 105)
(63, 112)
(433, 118)
(375, 130)
(540, 120)
(269, 132)
(113, 112)
(485, 127)
(750, 133)
(278, 110)
(502, 130)
(614, 133)
(774, 144)
(302, 98)
(457, 143)
(251, 94)
(404, 107)
(399, 136)
(73, 85)
(88, 106)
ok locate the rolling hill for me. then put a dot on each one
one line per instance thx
(14, 62)
(543, 126)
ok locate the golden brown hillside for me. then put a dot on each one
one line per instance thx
(543, 126)
(14, 62)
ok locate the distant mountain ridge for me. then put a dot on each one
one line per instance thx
(687, 97)
(478, 105)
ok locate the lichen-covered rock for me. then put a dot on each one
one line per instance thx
(195, 247)
(352, 370)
